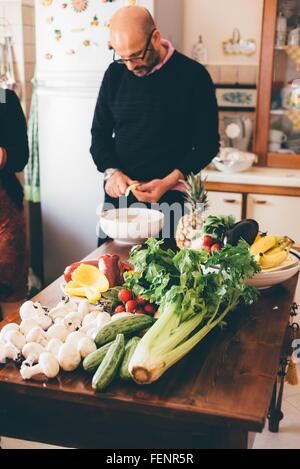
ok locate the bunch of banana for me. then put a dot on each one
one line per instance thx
(271, 251)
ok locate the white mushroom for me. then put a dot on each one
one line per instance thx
(53, 346)
(84, 308)
(27, 324)
(86, 346)
(74, 338)
(48, 365)
(31, 352)
(37, 335)
(62, 309)
(44, 321)
(68, 357)
(9, 327)
(90, 318)
(27, 310)
(9, 351)
(57, 331)
(102, 319)
(91, 333)
(72, 321)
(16, 339)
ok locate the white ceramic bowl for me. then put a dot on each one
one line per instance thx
(234, 161)
(131, 225)
(267, 279)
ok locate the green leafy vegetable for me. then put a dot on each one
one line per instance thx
(217, 226)
(195, 293)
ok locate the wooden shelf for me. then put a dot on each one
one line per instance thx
(282, 112)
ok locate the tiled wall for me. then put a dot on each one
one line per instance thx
(20, 15)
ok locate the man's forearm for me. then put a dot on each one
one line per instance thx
(173, 178)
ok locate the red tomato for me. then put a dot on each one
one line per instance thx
(140, 311)
(150, 309)
(120, 309)
(125, 295)
(216, 247)
(131, 306)
(207, 240)
(141, 301)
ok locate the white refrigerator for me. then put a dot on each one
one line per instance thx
(72, 56)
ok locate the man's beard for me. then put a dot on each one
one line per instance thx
(154, 59)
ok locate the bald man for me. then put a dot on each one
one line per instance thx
(156, 116)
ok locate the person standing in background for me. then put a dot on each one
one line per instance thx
(156, 118)
(14, 154)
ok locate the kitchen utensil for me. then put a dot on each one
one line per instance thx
(266, 279)
(239, 131)
(277, 136)
(131, 225)
(230, 160)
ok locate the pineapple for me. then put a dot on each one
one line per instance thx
(196, 198)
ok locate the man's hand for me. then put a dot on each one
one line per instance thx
(3, 157)
(153, 191)
(117, 184)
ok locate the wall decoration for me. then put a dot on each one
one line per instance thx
(50, 19)
(132, 2)
(95, 21)
(64, 5)
(46, 3)
(77, 30)
(236, 97)
(57, 34)
(48, 56)
(70, 52)
(237, 46)
(79, 5)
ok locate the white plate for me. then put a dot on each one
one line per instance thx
(268, 279)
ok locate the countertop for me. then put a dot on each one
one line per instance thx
(259, 176)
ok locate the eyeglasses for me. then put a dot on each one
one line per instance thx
(134, 59)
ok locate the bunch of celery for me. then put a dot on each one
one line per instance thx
(195, 293)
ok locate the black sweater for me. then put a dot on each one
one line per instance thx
(13, 137)
(149, 126)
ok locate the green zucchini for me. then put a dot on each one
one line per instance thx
(93, 360)
(129, 351)
(108, 368)
(126, 325)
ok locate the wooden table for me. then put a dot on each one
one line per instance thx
(216, 397)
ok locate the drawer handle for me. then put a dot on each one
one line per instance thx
(260, 202)
(230, 201)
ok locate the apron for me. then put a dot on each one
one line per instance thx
(13, 253)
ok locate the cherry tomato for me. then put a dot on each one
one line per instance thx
(139, 311)
(120, 309)
(125, 295)
(150, 309)
(131, 306)
(215, 247)
(141, 301)
(207, 240)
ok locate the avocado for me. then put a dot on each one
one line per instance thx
(245, 229)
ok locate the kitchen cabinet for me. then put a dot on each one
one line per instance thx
(275, 214)
(225, 203)
(277, 139)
